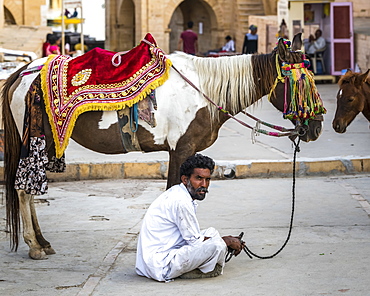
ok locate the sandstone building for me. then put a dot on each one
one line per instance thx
(127, 21)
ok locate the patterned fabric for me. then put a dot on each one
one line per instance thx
(99, 80)
(56, 165)
(31, 174)
(32, 123)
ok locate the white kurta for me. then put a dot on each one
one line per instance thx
(170, 238)
(229, 46)
(316, 45)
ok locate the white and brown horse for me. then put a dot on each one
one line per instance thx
(353, 97)
(186, 122)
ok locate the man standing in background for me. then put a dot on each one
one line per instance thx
(250, 44)
(188, 41)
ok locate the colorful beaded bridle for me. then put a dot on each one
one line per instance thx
(305, 101)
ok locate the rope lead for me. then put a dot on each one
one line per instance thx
(230, 252)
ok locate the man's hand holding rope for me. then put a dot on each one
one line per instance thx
(235, 244)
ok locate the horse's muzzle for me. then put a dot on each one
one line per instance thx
(302, 130)
(339, 128)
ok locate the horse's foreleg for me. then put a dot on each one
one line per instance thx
(36, 227)
(35, 249)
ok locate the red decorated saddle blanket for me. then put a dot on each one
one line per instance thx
(99, 80)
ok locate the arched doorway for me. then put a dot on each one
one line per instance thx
(125, 27)
(8, 17)
(205, 24)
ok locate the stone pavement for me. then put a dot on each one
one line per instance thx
(93, 226)
(332, 153)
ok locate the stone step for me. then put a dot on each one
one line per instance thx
(246, 9)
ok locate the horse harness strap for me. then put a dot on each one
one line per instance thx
(255, 130)
(278, 79)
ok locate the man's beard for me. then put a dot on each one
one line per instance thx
(194, 193)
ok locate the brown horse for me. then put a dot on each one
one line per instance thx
(186, 122)
(353, 97)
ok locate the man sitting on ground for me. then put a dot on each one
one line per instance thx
(171, 243)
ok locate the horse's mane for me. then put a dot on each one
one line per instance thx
(228, 81)
(264, 69)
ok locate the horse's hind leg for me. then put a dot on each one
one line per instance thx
(36, 227)
(35, 249)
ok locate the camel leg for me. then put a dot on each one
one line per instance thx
(36, 227)
(35, 249)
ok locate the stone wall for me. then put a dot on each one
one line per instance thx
(362, 51)
(361, 8)
(267, 26)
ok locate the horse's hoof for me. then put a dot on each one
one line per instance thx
(37, 254)
(49, 251)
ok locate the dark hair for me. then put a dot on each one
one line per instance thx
(196, 161)
(53, 39)
(228, 37)
(190, 24)
(48, 36)
(67, 39)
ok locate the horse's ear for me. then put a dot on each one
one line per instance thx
(362, 78)
(282, 50)
(297, 42)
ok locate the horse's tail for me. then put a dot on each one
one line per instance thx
(12, 147)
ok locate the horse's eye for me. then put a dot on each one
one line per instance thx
(351, 99)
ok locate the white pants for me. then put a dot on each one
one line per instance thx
(203, 256)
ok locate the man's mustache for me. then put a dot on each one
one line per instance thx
(201, 189)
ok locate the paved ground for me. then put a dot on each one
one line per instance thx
(93, 226)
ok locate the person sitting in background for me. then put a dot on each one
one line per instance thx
(67, 46)
(315, 43)
(230, 44)
(54, 45)
(228, 47)
(46, 45)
